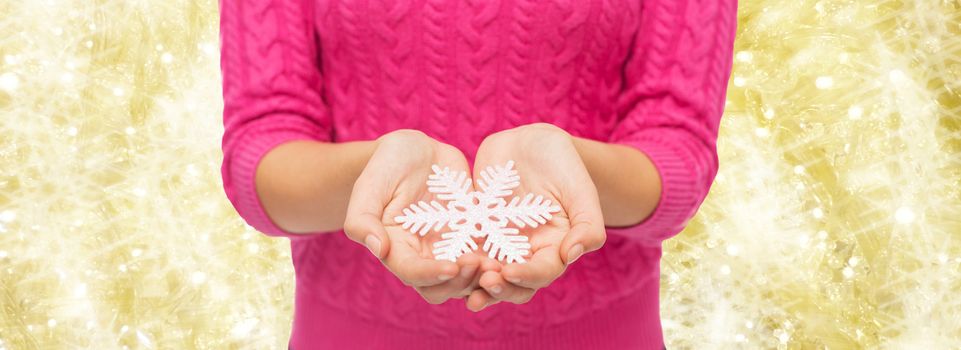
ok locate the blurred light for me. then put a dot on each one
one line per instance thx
(744, 56)
(855, 112)
(114, 226)
(198, 277)
(9, 82)
(904, 215)
(818, 213)
(896, 76)
(824, 82)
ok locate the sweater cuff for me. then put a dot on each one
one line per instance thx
(681, 193)
(243, 169)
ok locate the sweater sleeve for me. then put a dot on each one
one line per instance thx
(272, 93)
(676, 80)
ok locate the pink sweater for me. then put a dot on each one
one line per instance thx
(651, 74)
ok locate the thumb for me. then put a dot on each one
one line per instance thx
(367, 229)
(364, 211)
(584, 237)
(587, 232)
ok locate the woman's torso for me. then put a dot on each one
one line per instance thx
(460, 70)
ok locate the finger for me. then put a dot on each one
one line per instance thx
(415, 270)
(584, 237)
(542, 269)
(479, 300)
(368, 230)
(364, 212)
(587, 232)
(500, 289)
(488, 264)
(459, 286)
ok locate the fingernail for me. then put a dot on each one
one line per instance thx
(496, 289)
(373, 244)
(444, 277)
(574, 253)
(468, 271)
(513, 280)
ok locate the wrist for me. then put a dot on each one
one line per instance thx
(532, 138)
(411, 141)
(628, 183)
(303, 185)
(544, 129)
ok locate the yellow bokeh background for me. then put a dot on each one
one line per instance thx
(835, 220)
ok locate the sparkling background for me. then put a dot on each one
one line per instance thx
(834, 222)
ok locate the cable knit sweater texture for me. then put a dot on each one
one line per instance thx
(650, 74)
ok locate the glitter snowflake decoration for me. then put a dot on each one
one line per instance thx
(483, 213)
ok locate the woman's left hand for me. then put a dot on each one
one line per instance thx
(548, 165)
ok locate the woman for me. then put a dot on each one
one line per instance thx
(335, 111)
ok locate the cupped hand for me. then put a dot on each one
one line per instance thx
(394, 177)
(548, 165)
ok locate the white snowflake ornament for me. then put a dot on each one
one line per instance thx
(483, 213)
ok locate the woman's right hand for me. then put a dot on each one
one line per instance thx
(394, 177)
